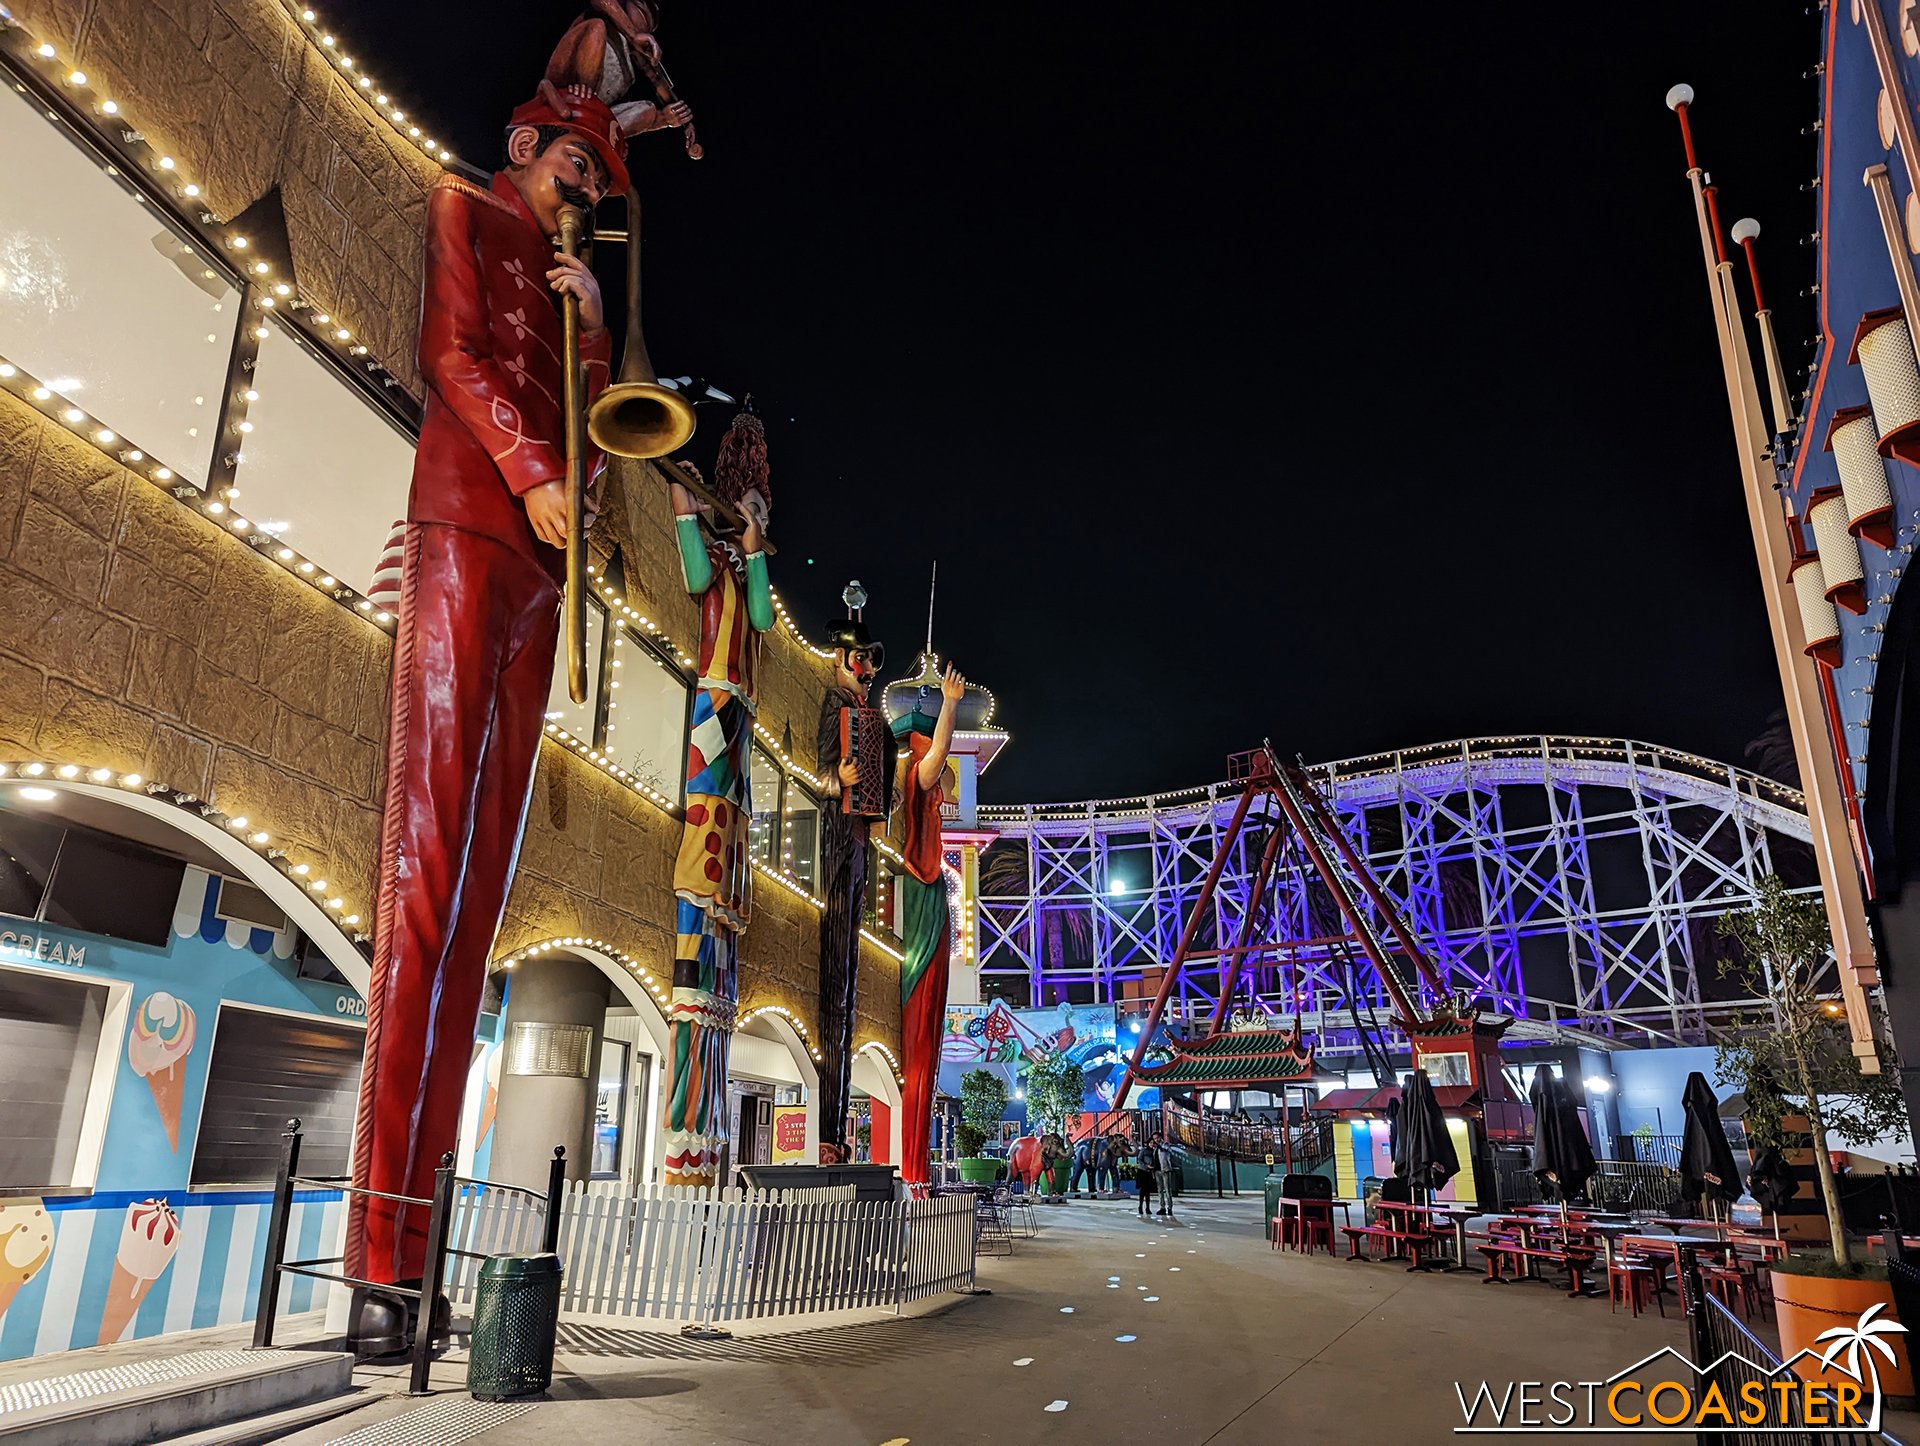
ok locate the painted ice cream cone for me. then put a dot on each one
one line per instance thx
(147, 1242)
(157, 1048)
(26, 1244)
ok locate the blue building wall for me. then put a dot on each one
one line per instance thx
(212, 1276)
(1648, 1084)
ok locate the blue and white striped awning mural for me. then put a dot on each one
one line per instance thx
(195, 915)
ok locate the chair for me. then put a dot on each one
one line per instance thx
(1726, 1285)
(1021, 1204)
(1311, 1223)
(1634, 1284)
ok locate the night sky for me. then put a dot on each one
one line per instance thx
(1344, 377)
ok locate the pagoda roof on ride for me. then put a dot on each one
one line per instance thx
(1375, 1101)
(1238, 1059)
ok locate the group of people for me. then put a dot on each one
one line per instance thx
(1153, 1172)
(1098, 1160)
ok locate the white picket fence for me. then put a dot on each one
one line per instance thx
(722, 1255)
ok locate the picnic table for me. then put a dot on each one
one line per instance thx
(1511, 1240)
(1403, 1230)
(1291, 1205)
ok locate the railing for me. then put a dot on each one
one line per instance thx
(703, 1256)
(1549, 749)
(1306, 1143)
(440, 1207)
(1737, 1358)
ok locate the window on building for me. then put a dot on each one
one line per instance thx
(764, 836)
(28, 847)
(882, 892)
(104, 302)
(647, 715)
(266, 1069)
(802, 850)
(84, 880)
(323, 470)
(578, 718)
(49, 1049)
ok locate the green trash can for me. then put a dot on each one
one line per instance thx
(516, 1313)
(1271, 1188)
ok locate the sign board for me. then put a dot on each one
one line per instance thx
(789, 1133)
(1269, 1159)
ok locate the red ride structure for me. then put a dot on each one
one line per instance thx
(1454, 1041)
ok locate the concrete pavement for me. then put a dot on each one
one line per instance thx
(1104, 1328)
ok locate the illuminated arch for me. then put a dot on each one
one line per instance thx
(304, 889)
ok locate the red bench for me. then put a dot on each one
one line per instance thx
(1414, 1242)
(1574, 1259)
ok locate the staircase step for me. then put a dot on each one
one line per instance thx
(279, 1425)
(154, 1400)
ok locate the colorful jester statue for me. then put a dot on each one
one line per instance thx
(856, 759)
(473, 652)
(713, 878)
(926, 927)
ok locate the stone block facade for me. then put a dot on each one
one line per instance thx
(143, 638)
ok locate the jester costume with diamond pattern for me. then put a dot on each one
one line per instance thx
(713, 877)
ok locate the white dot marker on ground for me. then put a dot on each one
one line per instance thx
(1152, 1298)
(1055, 1406)
(1139, 1287)
(1139, 1255)
(1066, 1310)
(1193, 1252)
(1174, 1268)
(1113, 1277)
(1024, 1361)
(1124, 1339)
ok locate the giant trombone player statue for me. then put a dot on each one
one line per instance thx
(513, 347)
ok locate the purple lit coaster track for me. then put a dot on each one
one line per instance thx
(1569, 883)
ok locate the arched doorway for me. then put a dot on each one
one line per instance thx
(874, 1082)
(770, 1067)
(624, 1144)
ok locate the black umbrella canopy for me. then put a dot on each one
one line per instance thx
(1706, 1159)
(1562, 1156)
(1423, 1153)
(1771, 1181)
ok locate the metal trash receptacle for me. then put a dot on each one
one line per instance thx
(516, 1314)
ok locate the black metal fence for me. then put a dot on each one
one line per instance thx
(439, 1220)
(1740, 1358)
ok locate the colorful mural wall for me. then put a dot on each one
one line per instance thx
(140, 1253)
(1005, 1041)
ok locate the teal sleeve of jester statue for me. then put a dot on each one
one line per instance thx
(725, 567)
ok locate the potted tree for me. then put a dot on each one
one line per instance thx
(983, 1100)
(1056, 1090)
(1798, 1058)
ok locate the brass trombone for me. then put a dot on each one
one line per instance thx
(634, 417)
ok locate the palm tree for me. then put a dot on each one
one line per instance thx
(1864, 1332)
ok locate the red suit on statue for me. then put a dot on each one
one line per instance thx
(474, 653)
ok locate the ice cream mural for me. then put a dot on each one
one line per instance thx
(147, 1243)
(157, 1047)
(26, 1244)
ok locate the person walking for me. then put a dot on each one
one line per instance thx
(1143, 1177)
(1164, 1166)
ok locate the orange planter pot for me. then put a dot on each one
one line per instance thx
(1806, 1305)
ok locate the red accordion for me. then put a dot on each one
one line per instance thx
(863, 738)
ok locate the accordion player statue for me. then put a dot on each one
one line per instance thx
(856, 754)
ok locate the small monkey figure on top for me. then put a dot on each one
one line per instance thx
(611, 50)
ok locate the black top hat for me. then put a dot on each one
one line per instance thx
(852, 634)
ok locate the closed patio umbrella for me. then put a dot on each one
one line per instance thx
(1562, 1155)
(1706, 1159)
(1423, 1153)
